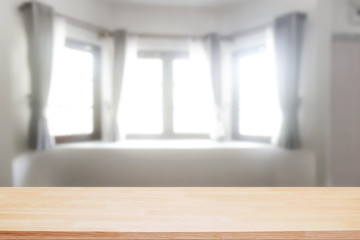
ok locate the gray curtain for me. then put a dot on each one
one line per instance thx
(289, 31)
(120, 38)
(39, 25)
(216, 66)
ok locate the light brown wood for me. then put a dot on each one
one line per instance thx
(180, 213)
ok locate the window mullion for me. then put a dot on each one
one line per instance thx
(168, 98)
(235, 101)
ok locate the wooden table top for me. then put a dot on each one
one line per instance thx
(179, 213)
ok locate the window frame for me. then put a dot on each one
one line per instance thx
(236, 136)
(96, 134)
(167, 58)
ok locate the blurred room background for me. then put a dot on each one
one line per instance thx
(180, 93)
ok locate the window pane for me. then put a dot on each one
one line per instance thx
(70, 109)
(65, 121)
(142, 113)
(259, 113)
(193, 109)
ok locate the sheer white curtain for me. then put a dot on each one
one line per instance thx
(277, 116)
(201, 71)
(125, 46)
(107, 56)
(57, 68)
(226, 51)
(217, 69)
(130, 68)
(59, 43)
(118, 80)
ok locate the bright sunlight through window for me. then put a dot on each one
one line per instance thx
(193, 111)
(167, 97)
(143, 111)
(70, 109)
(258, 105)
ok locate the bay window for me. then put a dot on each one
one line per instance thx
(73, 110)
(166, 98)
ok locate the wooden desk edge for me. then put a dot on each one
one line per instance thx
(311, 235)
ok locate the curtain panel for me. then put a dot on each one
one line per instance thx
(107, 76)
(120, 38)
(125, 99)
(39, 20)
(289, 32)
(216, 67)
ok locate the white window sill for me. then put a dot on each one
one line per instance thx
(170, 144)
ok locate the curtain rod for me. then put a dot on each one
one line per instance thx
(169, 36)
(108, 33)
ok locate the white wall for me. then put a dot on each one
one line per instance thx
(169, 20)
(345, 113)
(255, 13)
(341, 148)
(341, 17)
(6, 135)
(345, 95)
(320, 132)
(92, 11)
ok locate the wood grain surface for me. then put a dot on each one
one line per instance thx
(179, 213)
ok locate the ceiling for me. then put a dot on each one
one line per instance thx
(182, 3)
